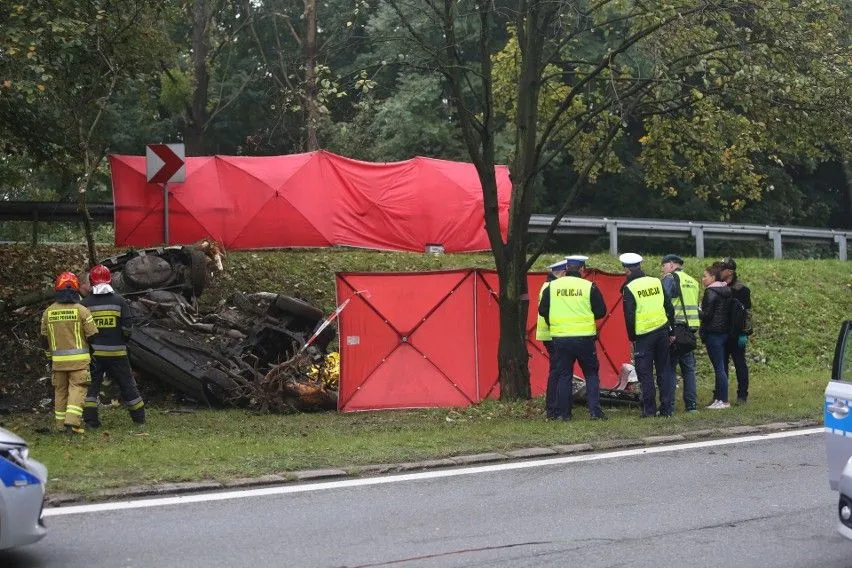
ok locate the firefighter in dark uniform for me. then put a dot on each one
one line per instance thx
(66, 327)
(111, 313)
(542, 333)
(570, 306)
(649, 317)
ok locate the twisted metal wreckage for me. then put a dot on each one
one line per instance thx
(262, 350)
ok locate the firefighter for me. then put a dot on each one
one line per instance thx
(111, 313)
(570, 307)
(66, 327)
(542, 333)
(649, 318)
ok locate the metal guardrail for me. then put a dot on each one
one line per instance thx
(38, 211)
(51, 211)
(699, 230)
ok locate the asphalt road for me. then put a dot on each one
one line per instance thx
(764, 503)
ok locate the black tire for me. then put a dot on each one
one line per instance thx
(298, 308)
(197, 272)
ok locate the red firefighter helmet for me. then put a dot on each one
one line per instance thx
(67, 280)
(99, 274)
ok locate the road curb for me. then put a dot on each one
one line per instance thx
(163, 489)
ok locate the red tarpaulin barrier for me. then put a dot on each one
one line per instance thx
(429, 339)
(316, 199)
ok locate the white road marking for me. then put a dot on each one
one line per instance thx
(302, 488)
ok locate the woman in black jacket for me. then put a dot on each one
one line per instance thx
(715, 321)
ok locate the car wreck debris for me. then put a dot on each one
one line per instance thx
(248, 352)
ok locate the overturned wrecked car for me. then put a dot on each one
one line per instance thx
(255, 350)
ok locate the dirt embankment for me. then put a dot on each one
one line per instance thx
(24, 374)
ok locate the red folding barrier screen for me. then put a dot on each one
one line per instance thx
(316, 199)
(429, 339)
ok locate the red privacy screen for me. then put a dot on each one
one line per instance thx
(315, 199)
(429, 339)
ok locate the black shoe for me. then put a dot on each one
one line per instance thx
(92, 425)
(741, 401)
(600, 416)
(565, 418)
(551, 417)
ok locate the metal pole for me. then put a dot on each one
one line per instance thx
(698, 233)
(841, 246)
(776, 244)
(166, 213)
(612, 229)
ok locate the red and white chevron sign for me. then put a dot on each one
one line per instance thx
(165, 163)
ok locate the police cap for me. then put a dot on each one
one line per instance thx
(629, 259)
(558, 266)
(576, 259)
(672, 258)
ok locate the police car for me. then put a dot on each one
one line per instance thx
(21, 493)
(838, 428)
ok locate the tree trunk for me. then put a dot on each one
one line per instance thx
(194, 135)
(847, 170)
(87, 219)
(310, 47)
(512, 353)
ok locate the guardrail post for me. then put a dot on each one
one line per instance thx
(841, 246)
(776, 244)
(698, 233)
(612, 229)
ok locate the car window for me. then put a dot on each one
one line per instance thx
(843, 355)
(846, 358)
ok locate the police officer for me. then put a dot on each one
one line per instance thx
(542, 333)
(684, 292)
(649, 317)
(111, 313)
(65, 328)
(570, 306)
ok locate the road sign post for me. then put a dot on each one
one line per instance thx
(165, 163)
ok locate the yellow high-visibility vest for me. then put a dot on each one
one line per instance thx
(571, 308)
(542, 330)
(689, 294)
(650, 313)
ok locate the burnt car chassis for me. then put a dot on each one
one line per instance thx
(230, 356)
(251, 351)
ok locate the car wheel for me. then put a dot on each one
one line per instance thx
(298, 308)
(197, 277)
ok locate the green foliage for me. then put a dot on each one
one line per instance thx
(175, 91)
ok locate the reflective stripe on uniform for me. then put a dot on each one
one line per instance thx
(75, 410)
(109, 350)
(100, 308)
(135, 404)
